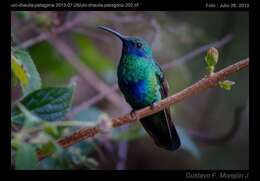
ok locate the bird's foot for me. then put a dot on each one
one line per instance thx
(134, 115)
(153, 105)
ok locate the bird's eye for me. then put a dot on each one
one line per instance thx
(138, 45)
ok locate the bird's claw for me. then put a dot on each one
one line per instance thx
(152, 105)
(133, 115)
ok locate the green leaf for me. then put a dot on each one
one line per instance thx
(16, 117)
(25, 70)
(80, 159)
(85, 147)
(68, 158)
(51, 130)
(49, 147)
(187, 143)
(15, 142)
(26, 157)
(90, 163)
(49, 104)
(30, 119)
(227, 84)
(48, 163)
(20, 72)
(40, 138)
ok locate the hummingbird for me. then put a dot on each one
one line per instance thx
(141, 80)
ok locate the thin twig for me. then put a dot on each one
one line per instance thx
(198, 51)
(92, 101)
(122, 154)
(203, 84)
(87, 33)
(203, 138)
(85, 72)
(179, 61)
(46, 35)
(157, 31)
(122, 150)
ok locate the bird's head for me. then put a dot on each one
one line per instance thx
(134, 46)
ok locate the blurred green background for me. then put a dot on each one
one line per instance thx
(172, 36)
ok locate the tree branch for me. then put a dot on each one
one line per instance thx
(179, 61)
(85, 72)
(46, 35)
(203, 84)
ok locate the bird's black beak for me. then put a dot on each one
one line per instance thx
(119, 35)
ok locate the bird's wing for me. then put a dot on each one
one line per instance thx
(164, 88)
